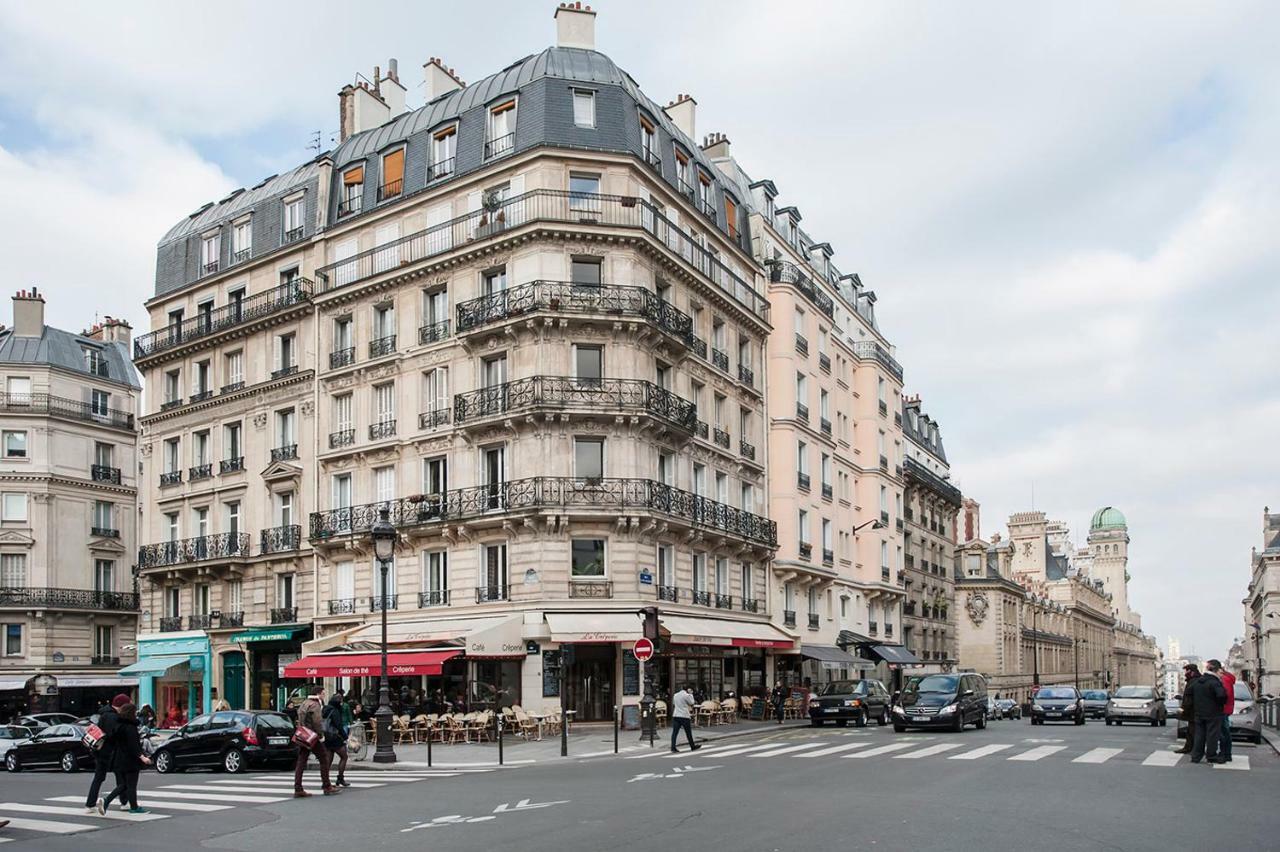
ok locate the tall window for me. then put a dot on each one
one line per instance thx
(284, 509)
(435, 475)
(285, 355)
(235, 369)
(722, 575)
(443, 145)
(588, 458)
(384, 403)
(200, 448)
(13, 640)
(746, 578)
(231, 440)
(666, 565)
(352, 191)
(436, 390)
(201, 602)
(584, 108)
(173, 386)
(588, 364)
(235, 596)
(502, 128)
(104, 575)
(13, 570)
(435, 575)
(172, 602)
(172, 460)
(342, 421)
(99, 403)
(384, 322)
(699, 572)
(284, 428)
(284, 591)
(293, 224)
(241, 240)
(384, 484)
(584, 191)
(802, 458)
(104, 516)
(587, 558)
(104, 643)
(802, 524)
(495, 570)
(344, 581)
(233, 516)
(392, 174)
(210, 249)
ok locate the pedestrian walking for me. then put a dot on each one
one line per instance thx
(1208, 698)
(147, 717)
(1229, 686)
(1187, 709)
(779, 701)
(108, 721)
(127, 761)
(682, 704)
(311, 716)
(336, 731)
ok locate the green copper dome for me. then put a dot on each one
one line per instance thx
(1108, 518)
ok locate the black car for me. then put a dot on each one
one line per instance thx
(942, 701)
(1057, 704)
(56, 745)
(842, 700)
(233, 740)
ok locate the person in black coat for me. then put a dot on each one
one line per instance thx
(1186, 709)
(1208, 698)
(335, 735)
(127, 761)
(108, 721)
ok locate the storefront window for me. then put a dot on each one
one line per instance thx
(495, 683)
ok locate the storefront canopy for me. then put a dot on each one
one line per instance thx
(122, 682)
(156, 666)
(835, 658)
(595, 626)
(8, 683)
(364, 665)
(497, 636)
(895, 654)
(713, 631)
(268, 634)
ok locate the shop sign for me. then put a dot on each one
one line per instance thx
(646, 578)
(59, 657)
(283, 660)
(532, 648)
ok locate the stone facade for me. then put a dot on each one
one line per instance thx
(1262, 610)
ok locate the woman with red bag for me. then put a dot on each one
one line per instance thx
(309, 737)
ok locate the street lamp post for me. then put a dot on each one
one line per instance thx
(384, 545)
(1035, 647)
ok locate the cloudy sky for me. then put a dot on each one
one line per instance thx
(1069, 215)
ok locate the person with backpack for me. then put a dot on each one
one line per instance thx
(127, 761)
(104, 748)
(336, 731)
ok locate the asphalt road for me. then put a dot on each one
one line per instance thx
(1011, 786)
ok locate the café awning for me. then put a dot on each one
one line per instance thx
(595, 626)
(156, 666)
(365, 665)
(895, 654)
(835, 658)
(495, 636)
(686, 630)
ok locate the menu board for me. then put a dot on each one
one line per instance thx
(550, 674)
(630, 673)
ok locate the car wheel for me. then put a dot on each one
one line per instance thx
(1256, 739)
(898, 729)
(884, 717)
(1108, 723)
(861, 720)
(12, 763)
(815, 723)
(68, 762)
(1118, 723)
(1080, 719)
(981, 724)
(959, 723)
(164, 761)
(233, 760)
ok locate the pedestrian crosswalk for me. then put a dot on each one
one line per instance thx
(169, 796)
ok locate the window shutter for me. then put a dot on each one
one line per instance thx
(393, 167)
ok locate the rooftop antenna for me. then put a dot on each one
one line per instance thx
(314, 144)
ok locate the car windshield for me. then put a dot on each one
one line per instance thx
(1056, 692)
(843, 687)
(275, 722)
(1135, 692)
(933, 683)
(1242, 692)
(13, 732)
(1095, 695)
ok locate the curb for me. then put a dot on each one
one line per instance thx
(1271, 742)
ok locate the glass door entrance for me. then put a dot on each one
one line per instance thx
(590, 683)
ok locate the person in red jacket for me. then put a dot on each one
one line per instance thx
(1229, 684)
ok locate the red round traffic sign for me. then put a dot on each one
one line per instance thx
(643, 649)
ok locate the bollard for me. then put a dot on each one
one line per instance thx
(615, 728)
(430, 737)
(499, 736)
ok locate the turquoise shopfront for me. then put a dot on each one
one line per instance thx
(175, 674)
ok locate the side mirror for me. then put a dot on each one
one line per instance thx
(967, 693)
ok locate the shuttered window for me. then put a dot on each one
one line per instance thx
(354, 176)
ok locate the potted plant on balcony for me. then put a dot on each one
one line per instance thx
(492, 216)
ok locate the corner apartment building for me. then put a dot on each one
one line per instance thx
(68, 499)
(1262, 609)
(525, 321)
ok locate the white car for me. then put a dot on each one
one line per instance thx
(10, 734)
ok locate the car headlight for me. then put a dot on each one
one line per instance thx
(852, 702)
(1037, 708)
(814, 704)
(897, 708)
(950, 708)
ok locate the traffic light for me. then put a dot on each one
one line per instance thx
(650, 623)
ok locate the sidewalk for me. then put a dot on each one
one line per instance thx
(585, 740)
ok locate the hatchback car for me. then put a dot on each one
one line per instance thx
(231, 739)
(1095, 703)
(1009, 708)
(56, 745)
(1057, 704)
(11, 734)
(942, 701)
(1246, 719)
(845, 700)
(1137, 704)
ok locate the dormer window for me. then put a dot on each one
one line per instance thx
(683, 178)
(241, 240)
(649, 143)
(95, 363)
(705, 194)
(392, 175)
(443, 145)
(293, 213)
(502, 130)
(352, 191)
(584, 108)
(210, 252)
(731, 216)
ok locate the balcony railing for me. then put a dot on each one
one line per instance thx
(342, 606)
(489, 594)
(103, 660)
(285, 453)
(806, 550)
(591, 589)
(198, 549)
(434, 332)
(71, 409)
(698, 346)
(750, 605)
(746, 376)
(563, 392)
(199, 622)
(825, 425)
(802, 481)
(884, 407)
(377, 603)
(654, 159)
(55, 598)
(701, 598)
(436, 598)
(286, 370)
(827, 491)
(723, 601)
(385, 429)
(747, 451)
(720, 359)
(802, 344)
(382, 346)
(499, 146)
(824, 362)
(254, 307)
(342, 357)
(231, 387)
(231, 465)
(702, 430)
(788, 618)
(433, 419)
(104, 532)
(170, 624)
(544, 205)
(173, 477)
(814, 622)
(885, 573)
(802, 412)
(873, 350)
(293, 235)
(440, 169)
(721, 437)
(828, 556)
(351, 205)
(201, 396)
(393, 189)
(884, 465)
(553, 493)
(669, 593)
(104, 473)
(342, 438)
(232, 619)
(785, 272)
(873, 627)
(281, 539)
(284, 615)
(914, 470)
(567, 297)
(200, 471)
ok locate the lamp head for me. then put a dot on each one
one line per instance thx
(384, 536)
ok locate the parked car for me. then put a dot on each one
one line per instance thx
(843, 700)
(1137, 704)
(1173, 706)
(1009, 708)
(11, 734)
(993, 710)
(942, 701)
(232, 739)
(56, 745)
(1057, 704)
(1095, 703)
(40, 721)
(1246, 721)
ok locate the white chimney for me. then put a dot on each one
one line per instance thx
(28, 313)
(681, 112)
(392, 90)
(575, 26)
(439, 79)
(360, 108)
(716, 146)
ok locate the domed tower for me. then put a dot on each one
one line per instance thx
(1109, 547)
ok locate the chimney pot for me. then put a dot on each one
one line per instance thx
(575, 26)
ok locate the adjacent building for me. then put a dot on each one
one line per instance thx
(1262, 609)
(68, 500)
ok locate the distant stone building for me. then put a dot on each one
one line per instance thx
(1262, 609)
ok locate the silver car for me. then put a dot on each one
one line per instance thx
(10, 734)
(1136, 704)
(1246, 719)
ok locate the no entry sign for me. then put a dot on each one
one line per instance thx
(643, 649)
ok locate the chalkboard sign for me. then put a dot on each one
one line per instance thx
(550, 674)
(630, 717)
(757, 708)
(630, 673)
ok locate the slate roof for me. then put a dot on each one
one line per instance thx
(242, 201)
(1056, 567)
(64, 349)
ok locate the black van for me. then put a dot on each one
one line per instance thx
(942, 701)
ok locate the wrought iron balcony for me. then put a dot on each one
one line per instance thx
(785, 272)
(720, 359)
(284, 615)
(802, 481)
(873, 628)
(566, 393)
(702, 429)
(293, 235)
(884, 465)
(747, 451)
(434, 332)
(200, 471)
(828, 556)
(433, 419)
(827, 491)
(884, 407)
(232, 619)
(909, 608)
(104, 473)
(231, 387)
(392, 189)
(169, 404)
(551, 493)
(285, 453)
(436, 598)
(750, 605)
(723, 601)
(201, 396)
(232, 465)
(173, 477)
(824, 362)
(382, 346)
(918, 474)
(103, 660)
(499, 146)
(70, 409)
(701, 598)
(590, 588)
(210, 267)
(698, 347)
(44, 597)
(746, 376)
(489, 594)
(199, 622)
(874, 351)
(377, 603)
(721, 437)
(170, 624)
(342, 357)
(342, 606)
(104, 532)
(888, 630)
(898, 523)
(825, 425)
(788, 618)
(669, 593)
(286, 370)
(548, 205)
(708, 209)
(440, 169)
(350, 206)
(885, 573)
(802, 344)
(884, 518)
(241, 256)
(198, 549)
(802, 412)
(385, 429)
(654, 159)
(342, 438)
(280, 539)
(806, 550)
(247, 310)
(569, 298)
(814, 621)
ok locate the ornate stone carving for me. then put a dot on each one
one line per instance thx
(260, 420)
(145, 450)
(976, 605)
(307, 408)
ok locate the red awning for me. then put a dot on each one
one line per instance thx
(364, 665)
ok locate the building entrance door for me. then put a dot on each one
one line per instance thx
(590, 682)
(233, 679)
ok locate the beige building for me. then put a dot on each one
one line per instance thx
(1262, 610)
(68, 500)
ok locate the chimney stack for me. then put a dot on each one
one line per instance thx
(110, 330)
(440, 80)
(392, 90)
(716, 146)
(575, 26)
(681, 112)
(28, 313)
(360, 108)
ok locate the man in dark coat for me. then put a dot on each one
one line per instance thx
(108, 719)
(1208, 698)
(1186, 709)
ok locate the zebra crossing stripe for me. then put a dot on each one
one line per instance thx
(981, 752)
(54, 810)
(256, 790)
(212, 797)
(1038, 753)
(151, 805)
(1098, 755)
(49, 826)
(784, 750)
(737, 750)
(928, 752)
(1162, 758)
(1241, 763)
(884, 749)
(281, 782)
(823, 752)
